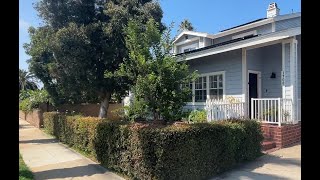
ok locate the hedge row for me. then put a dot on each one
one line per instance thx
(142, 151)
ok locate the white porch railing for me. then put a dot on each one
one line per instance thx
(223, 109)
(272, 110)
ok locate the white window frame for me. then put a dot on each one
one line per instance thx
(208, 89)
(254, 32)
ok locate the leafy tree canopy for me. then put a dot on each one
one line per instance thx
(79, 42)
(159, 80)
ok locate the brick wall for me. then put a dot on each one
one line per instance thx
(35, 117)
(88, 109)
(284, 136)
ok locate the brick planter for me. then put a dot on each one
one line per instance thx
(284, 136)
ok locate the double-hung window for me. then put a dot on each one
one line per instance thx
(200, 88)
(216, 86)
(208, 86)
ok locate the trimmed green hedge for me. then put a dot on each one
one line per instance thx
(76, 131)
(144, 151)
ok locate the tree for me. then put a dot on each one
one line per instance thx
(186, 25)
(159, 80)
(26, 81)
(80, 41)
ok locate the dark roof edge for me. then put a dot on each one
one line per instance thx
(244, 24)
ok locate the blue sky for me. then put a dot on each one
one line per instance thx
(208, 16)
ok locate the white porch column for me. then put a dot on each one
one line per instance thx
(245, 81)
(289, 74)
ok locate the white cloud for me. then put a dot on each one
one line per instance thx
(23, 25)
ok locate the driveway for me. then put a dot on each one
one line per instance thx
(281, 164)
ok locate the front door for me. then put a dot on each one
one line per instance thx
(253, 88)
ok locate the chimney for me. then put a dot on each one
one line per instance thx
(272, 10)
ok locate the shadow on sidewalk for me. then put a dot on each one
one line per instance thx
(248, 175)
(39, 141)
(78, 171)
(246, 170)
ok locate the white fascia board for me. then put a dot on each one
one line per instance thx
(200, 34)
(242, 44)
(188, 41)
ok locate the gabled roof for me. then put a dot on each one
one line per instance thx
(194, 33)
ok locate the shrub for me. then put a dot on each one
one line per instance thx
(149, 151)
(197, 116)
(76, 131)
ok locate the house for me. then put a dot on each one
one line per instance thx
(251, 70)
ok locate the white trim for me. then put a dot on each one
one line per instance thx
(254, 32)
(194, 33)
(273, 27)
(244, 79)
(283, 76)
(245, 43)
(212, 73)
(188, 41)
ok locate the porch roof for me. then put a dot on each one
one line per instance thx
(239, 43)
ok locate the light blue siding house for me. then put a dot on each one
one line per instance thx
(252, 70)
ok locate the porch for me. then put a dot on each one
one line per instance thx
(260, 82)
(267, 110)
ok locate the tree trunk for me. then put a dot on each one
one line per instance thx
(104, 105)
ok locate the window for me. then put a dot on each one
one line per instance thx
(216, 86)
(189, 85)
(201, 89)
(209, 85)
(187, 37)
(189, 49)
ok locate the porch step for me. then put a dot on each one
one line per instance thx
(267, 144)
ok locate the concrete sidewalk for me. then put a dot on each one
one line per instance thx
(281, 164)
(49, 159)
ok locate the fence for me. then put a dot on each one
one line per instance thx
(223, 109)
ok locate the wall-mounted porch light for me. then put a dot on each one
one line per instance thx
(273, 75)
